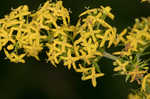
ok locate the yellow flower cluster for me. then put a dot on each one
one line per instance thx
(94, 28)
(55, 19)
(18, 36)
(90, 36)
(133, 68)
(137, 39)
(24, 33)
(129, 63)
(89, 73)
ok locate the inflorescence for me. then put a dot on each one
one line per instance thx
(81, 46)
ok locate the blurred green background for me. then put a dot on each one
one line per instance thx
(33, 81)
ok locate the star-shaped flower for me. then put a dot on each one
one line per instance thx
(93, 76)
(14, 57)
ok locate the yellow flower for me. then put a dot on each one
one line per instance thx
(33, 49)
(53, 53)
(83, 69)
(136, 75)
(112, 37)
(106, 10)
(69, 60)
(145, 80)
(52, 57)
(93, 76)
(5, 37)
(104, 24)
(19, 12)
(105, 37)
(22, 36)
(88, 12)
(91, 48)
(135, 41)
(121, 66)
(120, 37)
(86, 57)
(13, 57)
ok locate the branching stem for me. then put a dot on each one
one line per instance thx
(109, 56)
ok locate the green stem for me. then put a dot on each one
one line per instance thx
(109, 56)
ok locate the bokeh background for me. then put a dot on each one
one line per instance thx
(33, 80)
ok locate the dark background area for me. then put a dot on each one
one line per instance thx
(33, 81)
